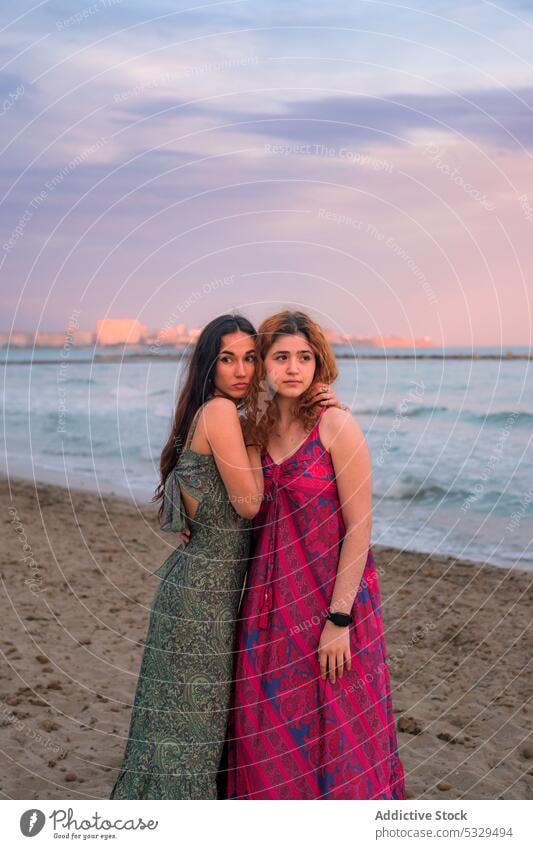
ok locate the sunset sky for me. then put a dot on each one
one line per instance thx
(368, 161)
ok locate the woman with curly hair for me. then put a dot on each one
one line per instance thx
(312, 711)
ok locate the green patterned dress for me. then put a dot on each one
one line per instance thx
(178, 722)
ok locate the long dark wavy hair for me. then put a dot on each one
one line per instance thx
(199, 386)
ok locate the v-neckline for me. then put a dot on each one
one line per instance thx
(294, 453)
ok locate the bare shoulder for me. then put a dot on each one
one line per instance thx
(338, 426)
(221, 414)
(219, 406)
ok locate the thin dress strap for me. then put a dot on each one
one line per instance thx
(193, 426)
(319, 419)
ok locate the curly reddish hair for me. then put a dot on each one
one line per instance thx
(261, 412)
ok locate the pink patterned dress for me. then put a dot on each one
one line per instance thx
(292, 735)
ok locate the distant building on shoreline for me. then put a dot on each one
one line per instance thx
(345, 339)
(120, 331)
(128, 332)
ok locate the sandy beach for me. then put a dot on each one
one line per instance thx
(76, 594)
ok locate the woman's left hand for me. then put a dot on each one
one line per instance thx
(184, 537)
(323, 395)
(334, 654)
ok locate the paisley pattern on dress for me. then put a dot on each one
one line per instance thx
(179, 717)
(292, 735)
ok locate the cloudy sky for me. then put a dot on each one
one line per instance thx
(368, 161)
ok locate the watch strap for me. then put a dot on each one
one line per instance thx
(340, 619)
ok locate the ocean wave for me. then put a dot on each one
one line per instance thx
(421, 410)
(80, 381)
(509, 417)
(413, 490)
(487, 499)
(416, 491)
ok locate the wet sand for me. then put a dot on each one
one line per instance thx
(76, 594)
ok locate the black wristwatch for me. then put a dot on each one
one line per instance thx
(340, 619)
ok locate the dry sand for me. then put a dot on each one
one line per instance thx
(75, 613)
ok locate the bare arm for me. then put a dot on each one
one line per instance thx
(345, 440)
(254, 458)
(353, 473)
(222, 428)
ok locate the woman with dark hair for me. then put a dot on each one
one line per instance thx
(312, 713)
(211, 487)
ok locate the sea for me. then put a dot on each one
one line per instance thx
(450, 439)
